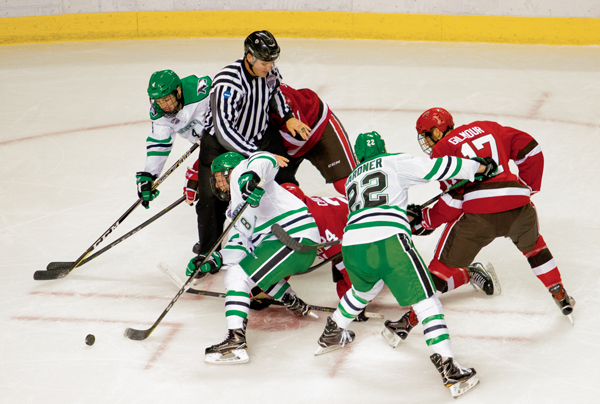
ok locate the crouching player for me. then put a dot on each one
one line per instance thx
(253, 256)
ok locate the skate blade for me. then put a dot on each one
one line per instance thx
(234, 357)
(462, 388)
(391, 337)
(490, 269)
(321, 350)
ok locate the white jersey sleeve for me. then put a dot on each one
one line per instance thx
(276, 206)
(377, 192)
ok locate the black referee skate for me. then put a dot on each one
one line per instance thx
(333, 337)
(484, 278)
(458, 379)
(564, 302)
(394, 331)
(296, 305)
(232, 350)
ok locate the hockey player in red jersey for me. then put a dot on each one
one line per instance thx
(331, 216)
(478, 213)
(328, 147)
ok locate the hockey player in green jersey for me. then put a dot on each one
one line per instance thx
(253, 256)
(177, 106)
(378, 249)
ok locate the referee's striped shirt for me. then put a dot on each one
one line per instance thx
(240, 105)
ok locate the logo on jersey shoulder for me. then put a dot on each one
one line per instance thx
(175, 121)
(202, 86)
(227, 94)
(271, 81)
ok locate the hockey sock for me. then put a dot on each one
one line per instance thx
(454, 277)
(237, 306)
(279, 289)
(430, 314)
(542, 263)
(353, 303)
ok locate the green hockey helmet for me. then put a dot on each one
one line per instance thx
(223, 164)
(226, 162)
(163, 83)
(368, 145)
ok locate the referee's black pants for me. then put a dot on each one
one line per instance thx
(211, 210)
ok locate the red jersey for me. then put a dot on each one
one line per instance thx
(308, 108)
(505, 190)
(331, 216)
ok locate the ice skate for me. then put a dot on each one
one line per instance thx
(232, 350)
(362, 316)
(458, 379)
(564, 302)
(333, 338)
(484, 278)
(394, 331)
(297, 306)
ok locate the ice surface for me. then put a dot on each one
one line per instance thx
(75, 117)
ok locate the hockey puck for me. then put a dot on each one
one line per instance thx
(90, 339)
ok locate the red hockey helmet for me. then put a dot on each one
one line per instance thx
(295, 190)
(433, 118)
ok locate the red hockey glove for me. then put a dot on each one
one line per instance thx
(192, 184)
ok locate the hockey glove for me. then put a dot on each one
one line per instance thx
(192, 184)
(211, 266)
(490, 168)
(144, 183)
(251, 192)
(414, 211)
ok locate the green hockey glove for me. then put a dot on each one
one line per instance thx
(144, 183)
(251, 192)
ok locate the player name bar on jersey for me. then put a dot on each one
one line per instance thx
(364, 167)
(466, 134)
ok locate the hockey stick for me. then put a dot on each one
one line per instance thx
(294, 244)
(140, 335)
(62, 272)
(435, 198)
(177, 281)
(54, 266)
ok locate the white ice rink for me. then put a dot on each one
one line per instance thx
(74, 122)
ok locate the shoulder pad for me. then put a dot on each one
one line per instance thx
(195, 88)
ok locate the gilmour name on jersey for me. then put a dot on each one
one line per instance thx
(466, 134)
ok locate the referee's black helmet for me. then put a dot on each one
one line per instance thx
(262, 45)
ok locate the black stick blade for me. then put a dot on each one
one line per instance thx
(50, 275)
(138, 335)
(53, 266)
(286, 239)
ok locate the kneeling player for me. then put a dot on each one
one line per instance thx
(253, 255)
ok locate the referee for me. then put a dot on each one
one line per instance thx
(242, 96)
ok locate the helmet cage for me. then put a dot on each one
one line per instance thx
(225, 163)
(162, 84)
(433, 118)
(218, 192)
